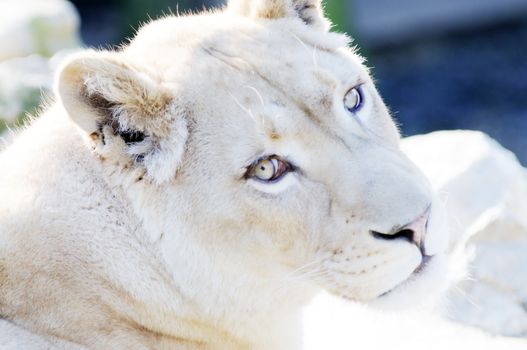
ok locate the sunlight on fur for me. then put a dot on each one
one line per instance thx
(227, 180)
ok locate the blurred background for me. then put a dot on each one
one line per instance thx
(445, 64)
(440, 64)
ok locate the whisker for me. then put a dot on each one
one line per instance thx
(308, 265)
(299, 40)
(305, 266)
(245, 109)
(315, 57)
(467, 298)
(315, 273)
(257, 94)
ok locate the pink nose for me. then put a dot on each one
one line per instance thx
(418, 229)
(414, 232)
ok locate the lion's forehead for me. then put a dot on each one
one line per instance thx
(257, 89)
(231, 30)
(242, 50)
(282, 76)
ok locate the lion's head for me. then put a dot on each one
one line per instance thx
(258, 155)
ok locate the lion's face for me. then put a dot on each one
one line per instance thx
(261, 148)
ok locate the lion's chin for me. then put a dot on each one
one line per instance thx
(424, 287)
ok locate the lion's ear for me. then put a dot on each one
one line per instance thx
(309, 11)
(125, 110)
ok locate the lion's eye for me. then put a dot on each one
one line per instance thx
(353, 99)
(268, 169)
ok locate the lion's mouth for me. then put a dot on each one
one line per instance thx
(424, 262)
(418, 270)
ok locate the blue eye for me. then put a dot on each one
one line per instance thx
(353, 99)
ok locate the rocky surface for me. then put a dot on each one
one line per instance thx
(485, 193)
(41, 27)
(21, 81)
(37, 33)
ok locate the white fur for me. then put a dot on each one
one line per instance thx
(159, 241)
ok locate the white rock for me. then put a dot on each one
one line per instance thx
(483, 182)
(31, 31)
(37, 26)
(21, 83)
(486, 199)
(495, 299)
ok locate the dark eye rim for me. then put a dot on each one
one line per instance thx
(288, 167)
(361, 98)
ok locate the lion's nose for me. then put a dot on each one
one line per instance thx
(413, 232)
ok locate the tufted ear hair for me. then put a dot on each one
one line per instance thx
(125, 110)
(309, 11)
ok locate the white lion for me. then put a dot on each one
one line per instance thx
(196, 189)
